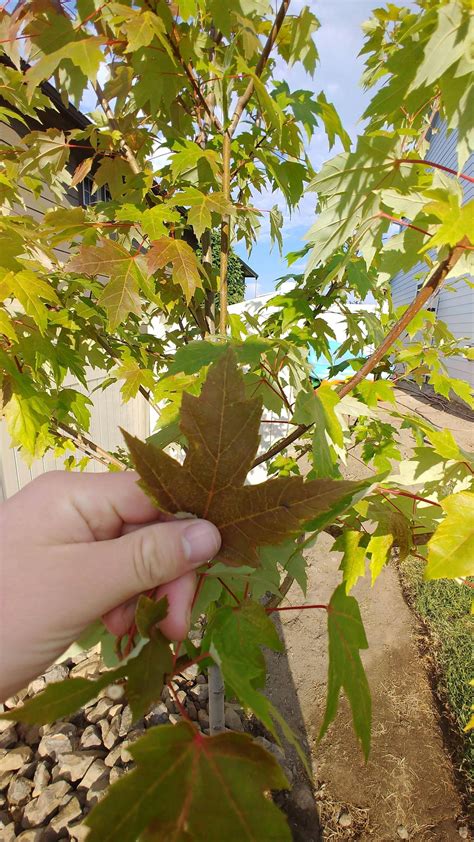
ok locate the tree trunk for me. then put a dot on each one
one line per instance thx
(216, 701)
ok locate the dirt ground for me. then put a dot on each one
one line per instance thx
(407, 789)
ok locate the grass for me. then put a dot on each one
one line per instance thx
(444, 607)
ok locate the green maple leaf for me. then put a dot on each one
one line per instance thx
(31, 291)
(353, 559)
(134, 377)
(202, 206)
(85, 54)
(221, 427)
(451, 548)
(120, 296)
(179, 775)
(186, 274)
(346, 638)
(61, 699)
(190, 156)
(447, 44)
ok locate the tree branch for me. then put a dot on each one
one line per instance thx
(243, 100)
(430, 288)
(88, 446)
(189, 71)
(225, 236)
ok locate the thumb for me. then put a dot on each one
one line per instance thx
(146, 558)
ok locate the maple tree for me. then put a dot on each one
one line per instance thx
(195, 120)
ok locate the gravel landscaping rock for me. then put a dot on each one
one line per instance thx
(52, 775)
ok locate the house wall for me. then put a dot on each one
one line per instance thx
(107, 412)
(455, 302)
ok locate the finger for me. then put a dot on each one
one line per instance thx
(175, 626)
(112, 572)
(102, 502)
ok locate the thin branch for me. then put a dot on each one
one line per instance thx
(243, 100)
(88, 446)
(225, 236)
(189, 71)
(430, 288)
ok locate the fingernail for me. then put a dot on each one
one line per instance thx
(201, 541)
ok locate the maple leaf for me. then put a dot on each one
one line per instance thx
(185, 266)
(179, 774)
(346, 637)
(120, 296)
(221, 427)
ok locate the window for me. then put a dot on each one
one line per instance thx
(89, 197)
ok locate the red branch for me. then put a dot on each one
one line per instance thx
(426, 163)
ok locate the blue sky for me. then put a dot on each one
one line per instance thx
(338, 40)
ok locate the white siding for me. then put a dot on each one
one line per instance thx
(454, 308)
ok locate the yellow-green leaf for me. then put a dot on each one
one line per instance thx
(451, 548)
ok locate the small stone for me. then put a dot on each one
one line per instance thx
(87, 667)
(171, 706)
(8, 737)
(116, 773)
(157, 716)
(73, 767)
(4, 723)
(97, 790)
(19, 792)
(125, 755)
(345, 820)
(114, 710)
(192, 710)
(200, 693)
(402, 832)
(8, 833)
(68, 814)
(90, 737)
(58, 672)
(181, 696)
(303, 798)
(463, 832)
(36, 686)
(78, 832)
(201, 679)
(126, 721)
(94, 772)
(191, 671)
(113, 756)
(66, 728)
(203, 719)
(99, 711)
(54, 745)
(34, 835)
(195, 634)
(29, 734)
(14, 759)
(109, 734)
(232, 719)
(41, 778)
(41, 809)
(175, 718)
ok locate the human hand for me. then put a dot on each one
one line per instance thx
(75, 547)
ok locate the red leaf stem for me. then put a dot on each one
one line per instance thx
(295, 608)
(427, 163)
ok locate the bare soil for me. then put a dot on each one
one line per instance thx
(407, 789)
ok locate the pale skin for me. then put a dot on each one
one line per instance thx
(75, 547)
